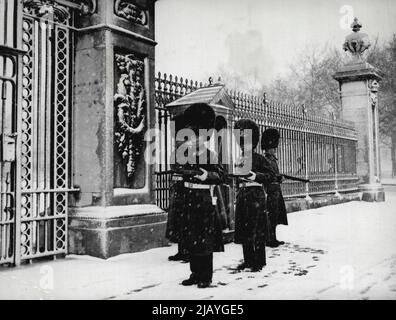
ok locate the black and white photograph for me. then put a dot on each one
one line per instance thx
(197, 150)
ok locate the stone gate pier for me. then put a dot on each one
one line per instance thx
(114, 212)
(359, 82)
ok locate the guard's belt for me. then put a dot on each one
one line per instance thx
(250, 184)
(177, 178)
(209, 187)
(191, 185)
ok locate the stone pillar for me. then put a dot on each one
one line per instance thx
(115, 211)
(358, 86)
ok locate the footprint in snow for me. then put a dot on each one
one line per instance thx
(222, 283)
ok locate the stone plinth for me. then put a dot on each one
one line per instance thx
(358, 86)
(113, 107)
(110, 231)
(372, 192)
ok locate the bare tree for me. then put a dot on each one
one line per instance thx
(384, 57)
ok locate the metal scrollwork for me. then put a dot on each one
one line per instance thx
(130, 11)
(59, 11)
(47, 9)
(130, 105)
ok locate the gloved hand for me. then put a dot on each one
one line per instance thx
(279, 178)
(203, 176)
(252, 176)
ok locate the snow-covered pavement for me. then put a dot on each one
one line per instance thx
(347, 251)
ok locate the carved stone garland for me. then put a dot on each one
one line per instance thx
(130, 105)
(129, 11)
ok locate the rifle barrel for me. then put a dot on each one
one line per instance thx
(295, 178)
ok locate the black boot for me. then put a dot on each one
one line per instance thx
(178, 257)
(272, 244)
(243, 266)
(260, 254)
(256, 269)
(248, 256)
(190, 281)
(205, 271)
(195, 272)
(259, 258)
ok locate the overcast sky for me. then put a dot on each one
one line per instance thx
(197, 38)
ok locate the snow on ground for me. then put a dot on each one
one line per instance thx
(347, 251)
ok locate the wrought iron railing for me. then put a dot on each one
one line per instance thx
(319, 148)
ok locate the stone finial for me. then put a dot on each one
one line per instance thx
(265, 98)
(357, 42)
(219, 82)
(356, 25)
(211, 81)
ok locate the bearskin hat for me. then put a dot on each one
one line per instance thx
(199, 116)
(246, 124)
(220, 123)
(270, 139)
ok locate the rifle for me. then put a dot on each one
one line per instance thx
(294, 178)
(194, 172)
(287, 176)
(243, 177)
(183, 172)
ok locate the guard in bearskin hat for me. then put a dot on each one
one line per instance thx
(251, 220)
(200, 231)
(275, 202)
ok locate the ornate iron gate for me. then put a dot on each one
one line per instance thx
(36, 187)
(10, 59)
(8, 103)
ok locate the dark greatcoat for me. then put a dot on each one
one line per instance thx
(275, 202)
(175, 211)
(251, 220)
(200, 221)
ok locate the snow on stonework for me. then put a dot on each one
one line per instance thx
(345, 251)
